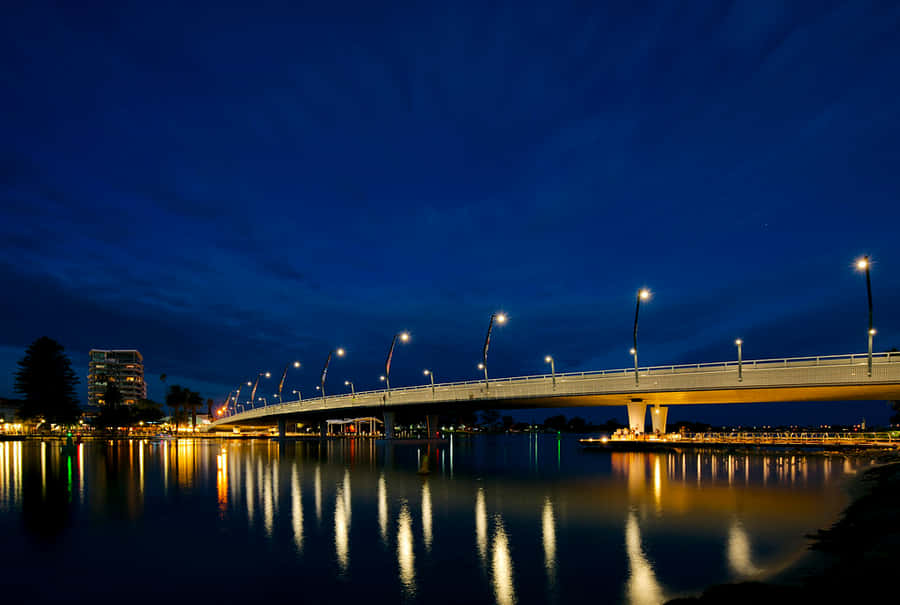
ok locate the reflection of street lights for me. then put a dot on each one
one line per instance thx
(549, 359)
(284, 375)
(430, 374)
(340, 353)
(739, 344)
(643, 294)
(864, 264)
(352, 390)
(501, 319)
(404, 337)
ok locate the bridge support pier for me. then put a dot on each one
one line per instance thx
(323, 429)
(431, 424)
(637, 416)
(658, 416)
(282, 428)
(389, 419)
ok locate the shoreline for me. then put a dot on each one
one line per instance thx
(852, 559)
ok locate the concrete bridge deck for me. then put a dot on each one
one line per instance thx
(823, 378)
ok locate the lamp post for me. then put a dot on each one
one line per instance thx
(296, 392)
(643, 294)
(404, 337)
(352, 390)
(633, 352)
(739, 342)
(549, 359)
(258, 376)
(864, 264)
(283, 376)
(340, 353)
(501, 319)
(430, 375)
(263, 399)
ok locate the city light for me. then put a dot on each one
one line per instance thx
(404, 336)
(862, 264)
(340, 352)
(296, 364)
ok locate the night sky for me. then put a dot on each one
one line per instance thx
(228, 188)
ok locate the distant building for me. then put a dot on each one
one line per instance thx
(123, 368)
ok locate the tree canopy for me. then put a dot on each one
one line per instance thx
(47, 383)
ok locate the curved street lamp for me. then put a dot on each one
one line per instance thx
(404, 337)
(296, 392)
(430, 374)
(352, 389)
(864, 264)
(500, 317)
(740, 343)
(340, 353)
(643, 294)
(258, 376)
(549, 359)
(296, 364)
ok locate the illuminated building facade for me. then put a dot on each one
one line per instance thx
(124, 368)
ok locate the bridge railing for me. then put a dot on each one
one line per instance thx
(830, 368)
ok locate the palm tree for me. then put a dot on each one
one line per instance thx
(194, 401)
(176, 398)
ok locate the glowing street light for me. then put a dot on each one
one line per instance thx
(404, 337)
(352, 390)
(643, 294)
(296, 364)
(430, 374)
(739, 344)
(500, 318)
(340, 353)
(297, 393)
(864, 264)
(549, 359)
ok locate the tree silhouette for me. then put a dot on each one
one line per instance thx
(47, 383)
(180, 399)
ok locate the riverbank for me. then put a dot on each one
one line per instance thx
(854, 559)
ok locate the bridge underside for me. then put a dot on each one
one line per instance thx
(868, 392)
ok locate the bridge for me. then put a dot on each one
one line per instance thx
(824, 378)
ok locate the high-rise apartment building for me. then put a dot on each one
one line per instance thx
(125, 369)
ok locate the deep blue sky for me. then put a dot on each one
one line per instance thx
(231, 187)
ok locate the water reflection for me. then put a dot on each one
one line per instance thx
(642, 587)
(405, 555)
(738, 553)
(341, 524)
(382, 508)
(296, 508)
(502, 568)
(548, 526)
(731, 506)
(426, 514)
(481, 525)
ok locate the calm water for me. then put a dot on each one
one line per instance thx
(517, 519)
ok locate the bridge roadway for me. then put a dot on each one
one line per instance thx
(825, 378)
